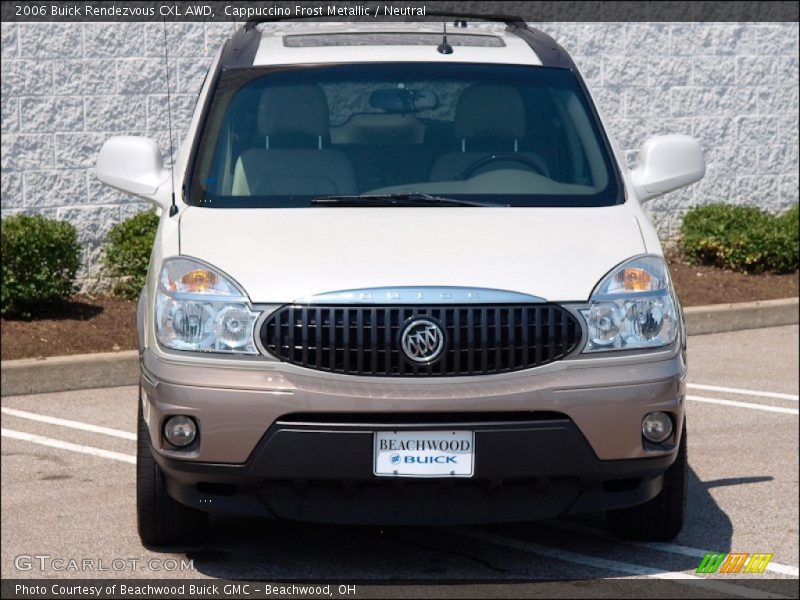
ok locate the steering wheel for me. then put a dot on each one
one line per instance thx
(481, 162)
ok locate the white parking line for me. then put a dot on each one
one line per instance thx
(613, 565)
(661, 546)
(764, 407)
(53, 443)
(729, 390)
(22, 414)
(564, 555)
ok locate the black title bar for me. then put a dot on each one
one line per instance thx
(592, 11)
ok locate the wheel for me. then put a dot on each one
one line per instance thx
(660, 519)
(161, 519)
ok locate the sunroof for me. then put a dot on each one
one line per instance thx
(313, 40)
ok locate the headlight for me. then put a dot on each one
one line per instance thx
(632, 307)
(199, 309)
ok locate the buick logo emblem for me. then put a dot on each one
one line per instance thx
(422, 341)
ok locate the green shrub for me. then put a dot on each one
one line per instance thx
(40, 259)
(128, 253)
(742, 238)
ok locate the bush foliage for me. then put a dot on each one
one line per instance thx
(128, 253)
(742, 238)
(40, 259)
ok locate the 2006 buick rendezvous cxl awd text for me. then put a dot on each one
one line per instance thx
(407, 281)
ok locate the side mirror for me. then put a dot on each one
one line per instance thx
(666, 163)
(131, 164)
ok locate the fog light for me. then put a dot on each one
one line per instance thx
(180, 431)
(656, 426)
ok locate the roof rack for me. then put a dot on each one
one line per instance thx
(241, 49)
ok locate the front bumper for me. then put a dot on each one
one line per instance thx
(291, 443)
(524, 470)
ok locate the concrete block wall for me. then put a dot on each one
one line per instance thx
(66, 87)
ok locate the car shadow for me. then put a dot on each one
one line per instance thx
(707, 526)
(71, 310)
(264, 549)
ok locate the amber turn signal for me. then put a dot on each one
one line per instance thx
(634, 280)
(198, 281)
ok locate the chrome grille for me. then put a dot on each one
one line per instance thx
(364, 340)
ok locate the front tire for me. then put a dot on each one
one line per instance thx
(660, 519)
(160, 518)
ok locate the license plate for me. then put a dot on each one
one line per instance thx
(424, 453)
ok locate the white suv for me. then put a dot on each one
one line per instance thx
(402, 279)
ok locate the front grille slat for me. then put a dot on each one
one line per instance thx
(401, 364)
(470, 340)
(360, 341)
(456, 344)
(346, 339)
(484, 341)
(373, 339)
(333, 340)
(498, 341)
(526, 334)
(388, 353)
(276, 333)
(364, 340)
(304, 336)
(441, 366)
(512, 336)
(291, 325)
(318, 329)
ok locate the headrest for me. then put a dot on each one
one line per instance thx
(486, 109)
(293, 109)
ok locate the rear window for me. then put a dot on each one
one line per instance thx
(518, 135)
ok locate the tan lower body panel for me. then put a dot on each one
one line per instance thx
(235, 407)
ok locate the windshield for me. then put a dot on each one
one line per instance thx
(511, 135)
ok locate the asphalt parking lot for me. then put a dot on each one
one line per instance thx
(68, 491)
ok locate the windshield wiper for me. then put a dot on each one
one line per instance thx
(403, 199)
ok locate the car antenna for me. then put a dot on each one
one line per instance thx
(444, 47)
(173, 209)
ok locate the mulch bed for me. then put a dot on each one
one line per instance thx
(103, 324)
(698, 286)
(88, 324)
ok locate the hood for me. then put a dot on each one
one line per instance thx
(281, 255)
